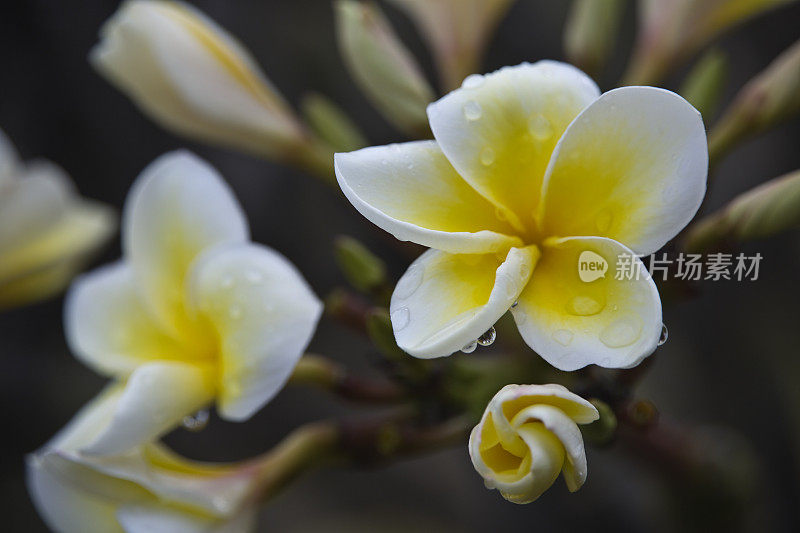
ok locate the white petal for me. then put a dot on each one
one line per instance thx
(632, 167)
(156, 397)
(577, 408)
(445, 301)
(570, 323)
(412, 191)
(565, 429)
(108, 326)
(499, 130)
(31, 204)
(178, 207)
(193, 77)
(161, 518)
(65, 507)
(265, 315)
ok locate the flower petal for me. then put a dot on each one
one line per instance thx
(632, 167)
(193, 77)
(178, 206)
(445, 301)
(570, 323)
(109, 328)
(412, 191)
(265, 315)
(515, 397)
(567, 432)
(33, 203)
(62, 505)
(499, 130)
(156, 397)
(157, 518)
(79, 492)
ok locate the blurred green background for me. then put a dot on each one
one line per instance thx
(732, 360)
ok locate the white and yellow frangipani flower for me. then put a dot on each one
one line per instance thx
(47, 231)
(147, 489)
(531, 167)
(194, 78)
(527, 436)
(192, 313)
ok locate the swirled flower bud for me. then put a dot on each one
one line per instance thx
(527, 436)
(193, 78)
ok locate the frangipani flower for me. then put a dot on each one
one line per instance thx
(147, 489)
(527, 436)
(192, 77)
(192, 313)
(47, 231)
(532, 167)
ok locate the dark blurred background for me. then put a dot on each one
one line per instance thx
(732, 358)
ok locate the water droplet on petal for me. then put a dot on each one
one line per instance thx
(385, 162)
(227, 282)
(197, 421)
(409, 283)
(664, 335)
(584, 306)
(488, 337)
(563, 336)
(622, 332)
(473, 81)
(515, 304)
(469, 348)
(235, 312)
(603, 220)
(500, 214)
(472, 110)
(540, 127)
(487, 156)
(222, 504)
(254, 276)
(400, 318)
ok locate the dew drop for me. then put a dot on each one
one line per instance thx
(473, 81)
(487, 156)
(253, 276)
(400, 318)
(500, 214)
(603, 220)
(622, 332)
(222, 504)
(515, 304)
(227, 282)
(563, 336)
(664, 335)
(472, 110)
(488, 338)
(469, 348)
(235, 312)
(409, 283)
(584, 306)
(385, 162)
(197, 421)
(540, 127)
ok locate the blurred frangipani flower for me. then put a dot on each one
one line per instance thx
(149, 488)
(194, 78)
(530, 168)
(192, 313)
(47, 231)
(527, 436)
